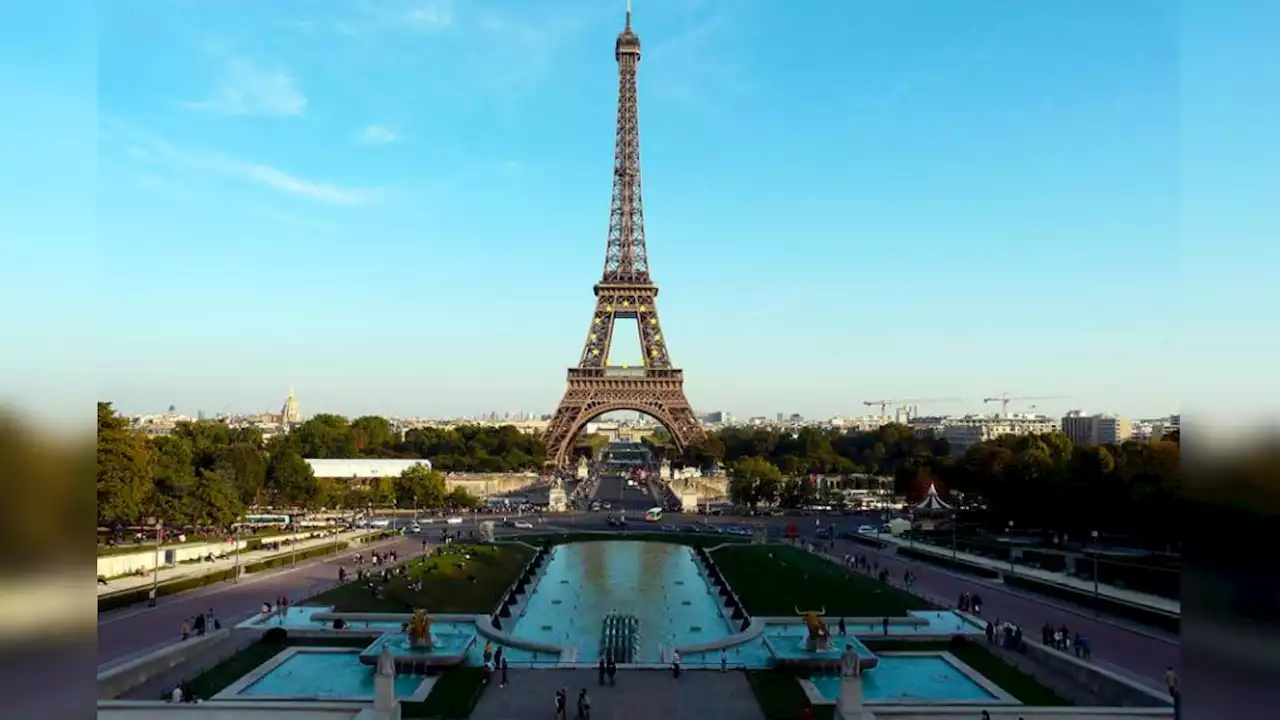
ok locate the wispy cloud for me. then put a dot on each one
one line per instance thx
(359, 18)
(376, 135)
(146, 148)
(693, 69)
(244, 88)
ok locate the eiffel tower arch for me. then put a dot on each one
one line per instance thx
(625, 291)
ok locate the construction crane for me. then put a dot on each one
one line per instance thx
(1005, 399)
(884, 404)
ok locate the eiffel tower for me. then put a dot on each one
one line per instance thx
(624, 292)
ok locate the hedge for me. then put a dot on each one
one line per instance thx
(864, 540)
(946, 562)
(132, 596)
(1102, 603)
(1162, 580)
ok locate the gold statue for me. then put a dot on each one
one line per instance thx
(819, 636)
(420, 629)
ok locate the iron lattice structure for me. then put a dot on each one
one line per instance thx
(625, 291)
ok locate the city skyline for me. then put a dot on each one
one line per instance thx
(857, 411)
(940, 201)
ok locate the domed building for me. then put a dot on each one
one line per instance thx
(291, 413)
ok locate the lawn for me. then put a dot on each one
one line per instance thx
(781, 697)
(775, 579)
(1025, 688)
(462, 579)
(454, 695)
(220, 676)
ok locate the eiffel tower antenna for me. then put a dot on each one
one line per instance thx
(625, 291)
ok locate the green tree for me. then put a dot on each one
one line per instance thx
(461, 499)
(325, 436)
(246, 467)
(420, 486)
(290, 480)
(213, 501)
(372, 434)
(382, 492)
(174, 477)
(754, 480)
(125, 460)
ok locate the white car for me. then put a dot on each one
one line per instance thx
(454, 521)
(866, 530)
(524, 525)
(415, 528)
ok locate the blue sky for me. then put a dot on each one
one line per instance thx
(400, 206)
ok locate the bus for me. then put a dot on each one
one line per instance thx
(266, 520)
(653, 515)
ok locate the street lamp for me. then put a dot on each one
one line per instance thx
(235, 537)
(1094, 534)
(155, 567)
(295, 539)
(1010, 534)
(953, 534)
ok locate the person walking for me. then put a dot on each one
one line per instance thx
(612, 669)
(1175, 691)
(675, 664)
(503, 667)
(186, 629)
(724, 660)
(584, 705)
(600, 669)
(561, 701)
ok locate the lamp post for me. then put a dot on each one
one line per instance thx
(953, 533)
(911, 531)
(1010, 533)
(1094, 535)
(295, 541)
(155, 567)
(235, 538)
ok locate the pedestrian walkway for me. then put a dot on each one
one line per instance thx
(175, 572)
(637, 695)
(1154, 602)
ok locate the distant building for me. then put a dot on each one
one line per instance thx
(965, 432)
(361, 469)
(713, 418)
(1171, 424)
(291, 413)
(1095, 429)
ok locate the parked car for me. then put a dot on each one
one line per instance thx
(454, 521)
(524, 525)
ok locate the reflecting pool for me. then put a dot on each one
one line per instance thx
(657, 583)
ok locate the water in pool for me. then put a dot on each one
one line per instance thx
(324, 675)
(910, 679)
(658, 583)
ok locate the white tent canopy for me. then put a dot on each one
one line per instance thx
(932, 503)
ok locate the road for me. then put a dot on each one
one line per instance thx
(129, 631)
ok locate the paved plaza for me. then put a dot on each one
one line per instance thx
(638, 695)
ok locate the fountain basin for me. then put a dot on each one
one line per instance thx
(446, 649)
(791, 650)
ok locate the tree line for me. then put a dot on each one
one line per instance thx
(208, 473)
(1043, 481)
